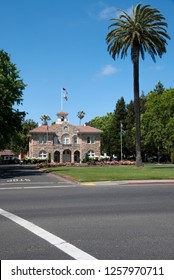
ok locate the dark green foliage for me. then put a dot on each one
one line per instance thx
(159, 88)
(158, 123)
(20, 141)
(11, 91)
(104, 123)
(172, 157)
(86, 158)
(49, 157)
(130, 132)
(119, 118)
(157, 129)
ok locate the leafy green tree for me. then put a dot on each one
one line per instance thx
(130, 131)
(144, 31)
(159, 88)
(11, 92)
(20, 141)
(142, 103)
(110, 125)
(158, 123)
(119, 119)
(104, 123)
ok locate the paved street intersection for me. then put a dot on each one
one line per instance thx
(43, 216)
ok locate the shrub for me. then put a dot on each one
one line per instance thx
(172, 157)
(86, 158)
(49, 157)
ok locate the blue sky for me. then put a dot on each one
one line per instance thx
(59, 44)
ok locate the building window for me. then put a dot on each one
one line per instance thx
(91, 140)
(42, 139)
(55, 140)
(75, 139)
(43, 154)
(65, 139)
(88, 140)
(91, 153)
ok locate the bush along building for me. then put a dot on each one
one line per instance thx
(63, 142)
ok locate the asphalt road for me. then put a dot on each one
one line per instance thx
(65, 221)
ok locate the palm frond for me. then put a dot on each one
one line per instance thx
(145, 30)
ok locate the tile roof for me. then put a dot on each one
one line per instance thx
(52, 129)
(88, 129)
(62, 114)
(6, 153)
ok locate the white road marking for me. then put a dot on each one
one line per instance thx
(36, 187)
(18, 180)
(61, 244)
(25, 183)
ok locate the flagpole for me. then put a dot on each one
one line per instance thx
(61, 100)
(121, 139)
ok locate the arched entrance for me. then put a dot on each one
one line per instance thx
(67, 156)
(57, 156)
(76, 156)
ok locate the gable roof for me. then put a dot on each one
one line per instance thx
(52, 129)
(44, 128)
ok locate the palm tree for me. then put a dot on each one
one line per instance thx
(45, 119)
(144, 31)
(80, 115)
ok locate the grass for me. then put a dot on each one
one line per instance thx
(115, 173)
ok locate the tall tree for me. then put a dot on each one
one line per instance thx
(130, 131)
(80, 115)
(159, 88)
(119, 118)
(11, 92)
(158, 123)
(45, 118)
(104, 123)
(19, 142)
(144, 31)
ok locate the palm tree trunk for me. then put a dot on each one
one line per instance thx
(137, 106)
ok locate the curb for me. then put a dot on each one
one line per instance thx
(129, 182)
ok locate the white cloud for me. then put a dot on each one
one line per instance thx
(108, 12)
(156, 68)
(102, 11)
(108, 70)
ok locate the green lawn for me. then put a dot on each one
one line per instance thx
(115, 173)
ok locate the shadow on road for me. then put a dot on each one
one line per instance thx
(10, 171)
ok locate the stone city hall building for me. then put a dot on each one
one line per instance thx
(63, 141)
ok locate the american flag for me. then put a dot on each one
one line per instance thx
(65, 94)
